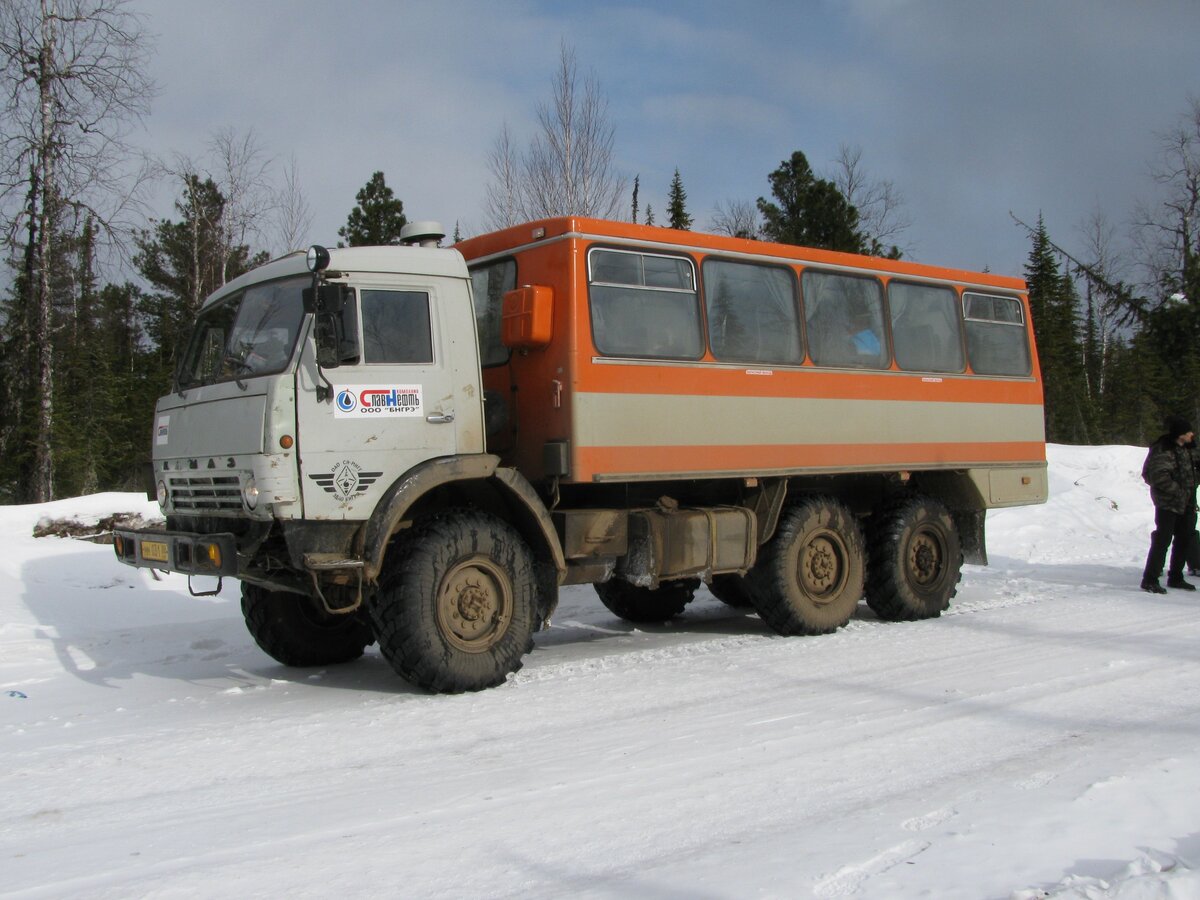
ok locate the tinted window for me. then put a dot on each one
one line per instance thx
(252, 333)
(752, 313)
(844, 318)
(396, 327)
(996, 341)
(644, 304)
(489, 284)
(925, 329)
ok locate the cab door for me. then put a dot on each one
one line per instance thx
(398, 399)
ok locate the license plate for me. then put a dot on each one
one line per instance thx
(155, 550)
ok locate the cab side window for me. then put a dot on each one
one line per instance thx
(396, 327)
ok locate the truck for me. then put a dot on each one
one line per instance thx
(420, 445)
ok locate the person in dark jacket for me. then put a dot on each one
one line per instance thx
(1170, 470)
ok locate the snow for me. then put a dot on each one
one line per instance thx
(1038, 740)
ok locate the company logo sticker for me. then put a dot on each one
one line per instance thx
(346, 481)
(162, 430)
(360, 401)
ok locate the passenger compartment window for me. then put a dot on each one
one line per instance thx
(752, 313)
(644, 304)
(996, 340)
(926, 336)
(489, 284)
(396, 327)
(844, 318)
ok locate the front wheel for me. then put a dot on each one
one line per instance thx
(809, 577)
(456, 608)
(916, 561)
(297, 631)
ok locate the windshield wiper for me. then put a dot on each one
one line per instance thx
(238, 365)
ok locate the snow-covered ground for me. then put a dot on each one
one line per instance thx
(1040, 739)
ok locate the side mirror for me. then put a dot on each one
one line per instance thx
(527, 317)
(327, 332)
(329, 298)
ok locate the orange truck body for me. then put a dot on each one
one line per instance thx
(584, 416)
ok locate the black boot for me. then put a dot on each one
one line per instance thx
(1177, 582)
(1152, 586)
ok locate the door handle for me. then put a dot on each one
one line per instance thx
(440, 418)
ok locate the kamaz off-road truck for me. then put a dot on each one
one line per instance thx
(419, 446)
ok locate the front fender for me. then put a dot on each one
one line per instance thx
(393, 509)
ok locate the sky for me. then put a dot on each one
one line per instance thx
(972, 110)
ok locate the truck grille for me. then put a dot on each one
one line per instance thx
(213, 493)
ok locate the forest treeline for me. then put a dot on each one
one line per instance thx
(99, 299)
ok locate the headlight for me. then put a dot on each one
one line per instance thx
(162, 494)
(250, 493)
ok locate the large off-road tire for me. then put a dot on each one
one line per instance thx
(456, 607)
(297, 631)
(809, 576)
(647, 606)
(732, 590)
(915, 560)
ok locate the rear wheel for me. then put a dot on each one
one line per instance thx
(297, 631)
(456, 608)
(916, 560)
(809, 577)
(732, 590)
(646, 606)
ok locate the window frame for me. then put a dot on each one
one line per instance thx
(1020, 324)
(364, 357)
(485, 350)
(959, 318)
(884, 319)
(694, 293)
(797, 309)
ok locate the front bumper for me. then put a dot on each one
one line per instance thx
(177, 551)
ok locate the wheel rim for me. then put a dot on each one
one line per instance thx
(474, 605)
(926, 558)
(822, 566)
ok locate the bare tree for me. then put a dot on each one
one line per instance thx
(243, 173)
(736, 218)
(501, 203)
(568, 166)
(293, 215)
(880, 205)
(1167, 232)
(73, 83)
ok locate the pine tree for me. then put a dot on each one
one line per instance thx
(377, 219)
(649, 214)
(809, 211)
(677, 214)
(636, 184)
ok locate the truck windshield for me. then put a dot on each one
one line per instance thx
(250, 333)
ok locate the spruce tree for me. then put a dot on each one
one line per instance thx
(377, 219)
(183, 262)
(677, 214)
(1053, 304)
